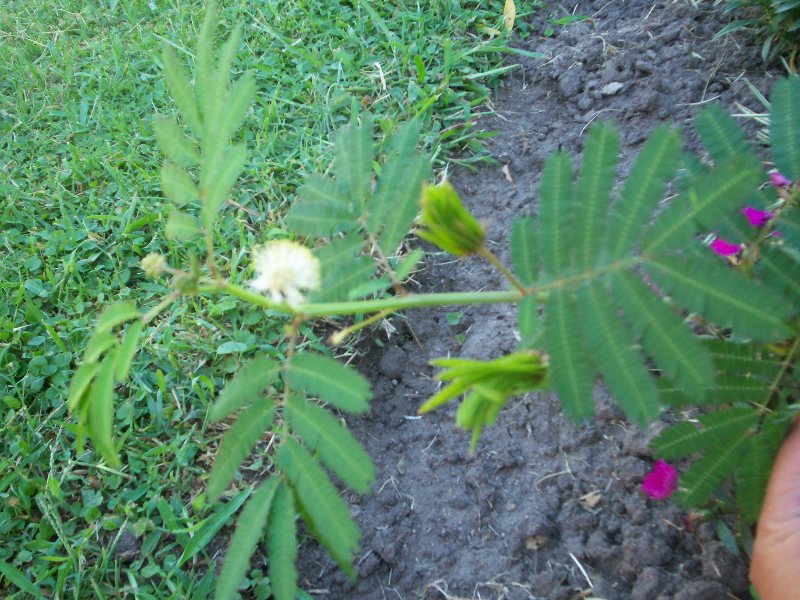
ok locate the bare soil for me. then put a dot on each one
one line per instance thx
(545, 509)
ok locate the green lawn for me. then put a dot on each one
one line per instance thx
(81, 205)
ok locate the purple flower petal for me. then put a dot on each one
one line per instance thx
(661, 482)
(779, 180)
(724, 247)
(756, 217)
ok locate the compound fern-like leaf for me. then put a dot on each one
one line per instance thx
(524, 250)
(752, 475)
(101, 411)
(249, 528)
(613, 350)
(570, 371)
(328, 514)
(333, 382)
(718, 428)
(723, 295)
(643, 190)
(237, 444)
(781, 271)
(703, 477)
(723, 190)
(554, 215)
(352, 160)
(181, 90)
(676, 350)
(320, 209)
(785, 126)
(721, 135)
(593, 192)
(342, 268)
(245, 387)
(334, 444)
(282, 544)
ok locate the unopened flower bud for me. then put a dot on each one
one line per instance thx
(447, 223)
(154, 264)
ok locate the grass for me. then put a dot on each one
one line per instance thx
(81, 205)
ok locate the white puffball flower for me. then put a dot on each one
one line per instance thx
(283, 270)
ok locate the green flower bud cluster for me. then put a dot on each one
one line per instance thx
(447, 223)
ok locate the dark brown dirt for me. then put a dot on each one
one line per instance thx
(545, 509)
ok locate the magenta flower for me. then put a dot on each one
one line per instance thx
(724, 247)
(661, 481)
(779, 180)
(756, 217)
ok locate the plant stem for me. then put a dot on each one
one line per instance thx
(360, 307)
(489, 255)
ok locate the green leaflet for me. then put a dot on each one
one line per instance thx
(175, 144)
(116, 314)
(282, 544)
(570, 372)
(245, 387)
(524, 250)
(612, 349)
(181, 226)
(717, 429)
(334, 444)
(745, 360)
(319, 209)
(99, 342)
(238, 443)
(342, 269)
(752, 475)
(593, 192)
(554, 214)
(326, 512)
(101, 412)
(237, 104)
(676, 350)
(127, 350)
(181, 90)
(643, 190)
(780, 271)
(204, 66)
(789, 226)
(723, 190)
(80, 383)
(178, 186)
(702, 478)
(329, 380)
(785, 126)
(395, 202)
(220, 179)
(352, 160)
(738, 388)
(707, 286)
(721, 135)
(396, 199)
(249, 528)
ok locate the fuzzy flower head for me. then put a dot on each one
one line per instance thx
(284, 270)
(724, 247)
(756, 217)
(661, 481)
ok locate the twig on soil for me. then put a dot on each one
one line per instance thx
(582, 570)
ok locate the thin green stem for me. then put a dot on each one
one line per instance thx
(489, 255)
(360, 307)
